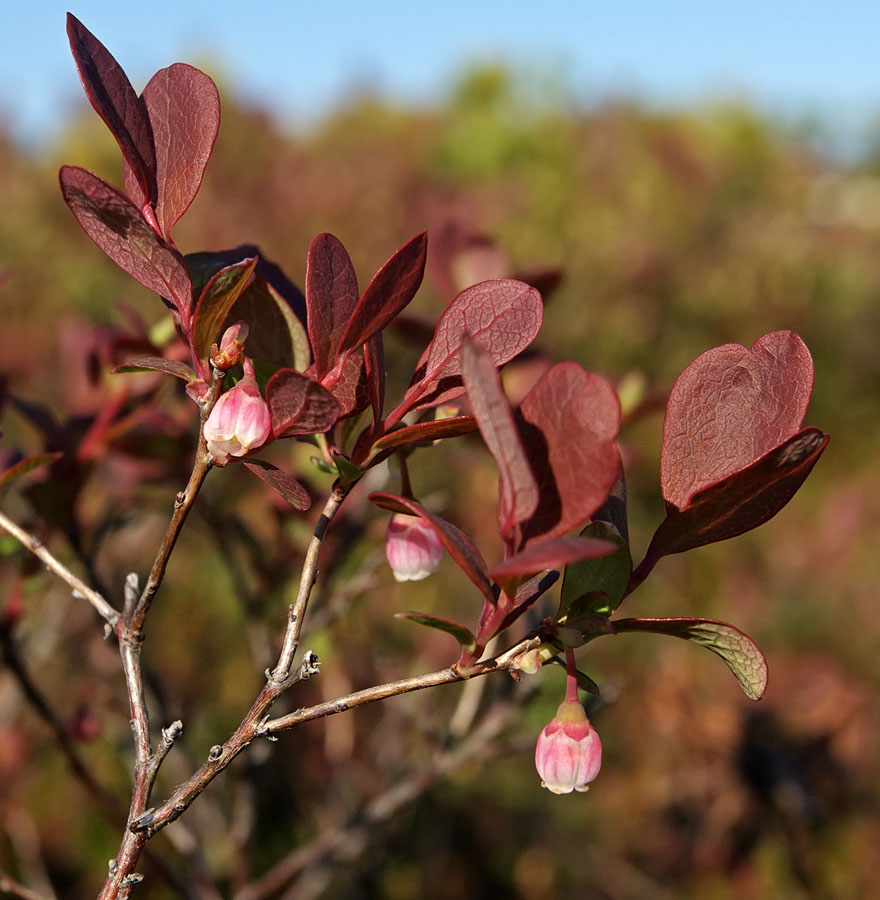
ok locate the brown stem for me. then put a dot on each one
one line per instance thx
(281, 671)
(80, 588)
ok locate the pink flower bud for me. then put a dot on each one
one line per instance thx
(240, 420)
(569, 752)
(412, 547)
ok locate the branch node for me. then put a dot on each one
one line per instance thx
(172, 732)
(131, 880)
(262, 731)
(310, 665)
(144, 820)
(215, 753)
(112, 866)
(108, 630)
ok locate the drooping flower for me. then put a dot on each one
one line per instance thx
(569, 753)
(240, 420)
(412, 548)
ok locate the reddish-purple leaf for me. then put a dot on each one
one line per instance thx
(390, 290)
(503, 317)
(157, 364)
(331, 298)
(298, 405)
(116, 102)
(729, 407)
(277, 479)
(374, 362)
(567, 424)
(184, 111)
(424, 432)
(743, 500)
(459, 546)
(28, 464)
(738, 650)
(552, 554)
(218, 297)
(350, 387)
(461, 633)
(518, 495)
(120, 230)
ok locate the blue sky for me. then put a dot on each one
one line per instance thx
(299, 57)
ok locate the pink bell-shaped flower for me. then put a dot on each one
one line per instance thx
(412, 547)
(240, 420)
(569, 753)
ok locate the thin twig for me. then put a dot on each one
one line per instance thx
(79, 587)
(9, 885)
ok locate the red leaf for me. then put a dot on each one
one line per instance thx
(277, 479)
(331, 298)
(390, 290)
(423, 432)
(742, 501)
(28, 464)
(517, 490)
(299, 405)
(550, 554)
(116, 102)
(120, 230)
(503, 317)
(184, 112)
(374, 361)
(729, 407)
(218, 297)
(460, 547)
(350, 388)
(567, 423)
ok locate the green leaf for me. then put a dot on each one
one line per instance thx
(217, 299)
(462, 634)
(738, 650)
(603, 577)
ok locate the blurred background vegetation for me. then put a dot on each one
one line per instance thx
(675, 231)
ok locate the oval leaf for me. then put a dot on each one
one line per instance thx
(502, 316)
(28, 464)
(117, 226)
(390, 290)
(116, 102)
(157, 364)
(461, 633)
(277, 479)
(184, 111)
(331, 298)
(729, 407)
(738, 650)
(217, 299)
(568, 423)
(299, 405)
(518, 495)
(549, 555)
(741, 501)
(426, 432)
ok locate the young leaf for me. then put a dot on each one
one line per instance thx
(425, 432)
(460, 547)
(503, 317)
(116, 102)
(462, 634)
(331, 297)
(277, 479)
(551, 554)
(390, 290)
(184, 112)
(608, 574)
(299, 405)
(157, 364)
(120, 230)
(567, 424)
(518, 495)
(742, 501)
(217, 299)
(729, 407)
(737, 649)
